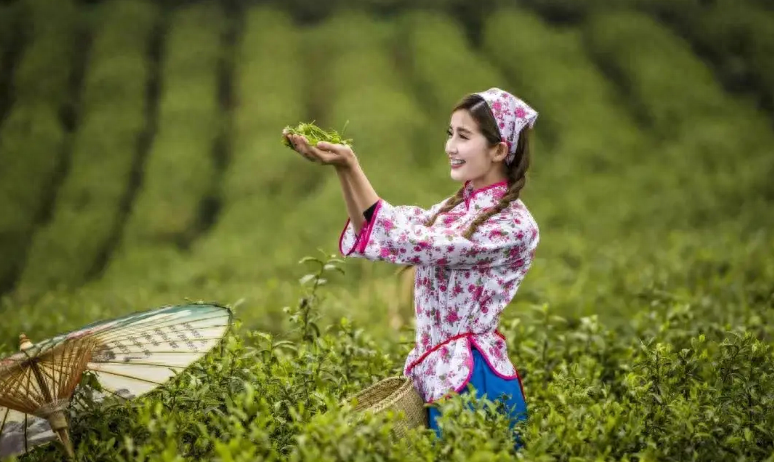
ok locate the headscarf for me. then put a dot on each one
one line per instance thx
(512, 115)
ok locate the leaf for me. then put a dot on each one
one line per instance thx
(330, 267)
(307, 278)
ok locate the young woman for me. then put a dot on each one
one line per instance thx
(471, 251)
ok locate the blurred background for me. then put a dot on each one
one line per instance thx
(141, 161)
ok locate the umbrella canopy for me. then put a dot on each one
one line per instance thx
(129, 356)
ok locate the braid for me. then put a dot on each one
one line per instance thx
(517, 178)
(511, 195)
(516, 172)
(452, 202)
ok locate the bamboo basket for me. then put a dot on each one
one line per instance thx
(393, 394)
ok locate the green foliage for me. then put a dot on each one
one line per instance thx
(736, 37)
(677, 382)
(9, 17)
(314, 134)
(88, 206)
(180, 165)
(50, 29)
(180, 169)
(538, 72)
(356, 76)
(30, 148)
(666, 398)
(642, 332)
(432, 47)
(31, 136)
(677, 95)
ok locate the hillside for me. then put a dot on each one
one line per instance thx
(141, 165)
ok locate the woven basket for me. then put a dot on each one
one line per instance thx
(395, 394)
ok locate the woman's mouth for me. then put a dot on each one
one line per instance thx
(456, 163)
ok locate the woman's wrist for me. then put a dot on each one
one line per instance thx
(347, 167)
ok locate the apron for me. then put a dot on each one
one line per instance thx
(488, 384)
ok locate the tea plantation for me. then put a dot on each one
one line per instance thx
(141, 165)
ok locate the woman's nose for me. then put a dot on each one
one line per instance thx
(450, 150)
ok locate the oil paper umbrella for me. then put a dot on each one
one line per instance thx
(128, 356)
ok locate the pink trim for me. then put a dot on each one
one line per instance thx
(341, 239)
(464, 382)
(448, 340)
(369, 226)
(435, 348)
(472, 341)
(494, 371)
(505, 377)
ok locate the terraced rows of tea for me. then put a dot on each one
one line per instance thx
(141, 165)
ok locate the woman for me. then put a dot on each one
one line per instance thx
(470, 251)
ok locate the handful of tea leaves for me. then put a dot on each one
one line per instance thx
(314, 134)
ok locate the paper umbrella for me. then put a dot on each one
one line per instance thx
(129, 356)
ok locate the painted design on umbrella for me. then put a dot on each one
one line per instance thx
(128, 356)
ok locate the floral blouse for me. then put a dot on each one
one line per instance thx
(461, 286)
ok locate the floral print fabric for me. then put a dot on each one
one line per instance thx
(511, 115)
(461, 286)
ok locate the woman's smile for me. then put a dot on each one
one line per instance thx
(456, 163)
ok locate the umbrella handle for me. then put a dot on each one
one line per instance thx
(59, 425)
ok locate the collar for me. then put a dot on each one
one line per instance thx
(485, 197)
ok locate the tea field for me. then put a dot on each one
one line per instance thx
(141, 165)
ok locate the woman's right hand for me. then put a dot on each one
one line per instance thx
(339, 155)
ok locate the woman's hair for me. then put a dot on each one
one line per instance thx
(516, 171)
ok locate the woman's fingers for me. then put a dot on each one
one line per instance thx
(325, 153)
(329, 146)
(320, 155)
(301, 146)
(340, 153)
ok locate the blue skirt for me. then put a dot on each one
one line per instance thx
(494, 387)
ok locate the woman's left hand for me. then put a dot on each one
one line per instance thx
(324, 153)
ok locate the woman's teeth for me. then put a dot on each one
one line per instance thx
(456, 162)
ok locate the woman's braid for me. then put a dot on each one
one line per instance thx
(517, 178)
(449, 205)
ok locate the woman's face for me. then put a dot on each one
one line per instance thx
(469, 153)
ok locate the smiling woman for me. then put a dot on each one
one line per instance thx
(471, 250)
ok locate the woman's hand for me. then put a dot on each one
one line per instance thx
(339, 155)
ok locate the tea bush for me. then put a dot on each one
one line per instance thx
(9, 18)
(32, 137)
(268, 74)
(432, 47)
(678, 97)
(359, 77)
(88, 209)
(608, 139)
(735, 37)
(643, 331)
(677, 383)
(180, 168)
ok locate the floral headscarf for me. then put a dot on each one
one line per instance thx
(511, 114)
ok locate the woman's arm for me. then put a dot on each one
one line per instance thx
(358, 193)
(395, 236)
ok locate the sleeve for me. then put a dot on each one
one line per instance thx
(370, 212)
(395, 236)
(349, 240)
